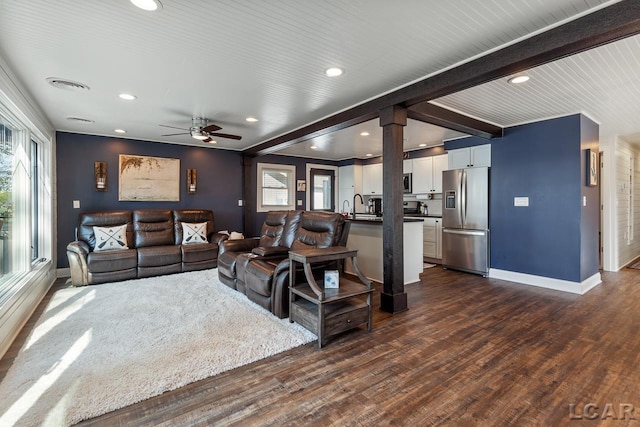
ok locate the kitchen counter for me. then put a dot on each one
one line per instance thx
(365, 235)
(378, 220)
(422, 216)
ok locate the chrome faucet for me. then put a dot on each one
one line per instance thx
(354, 203)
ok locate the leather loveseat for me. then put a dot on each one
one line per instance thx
(144, 242)
(259, 267)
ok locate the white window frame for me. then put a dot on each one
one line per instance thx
(291, 186)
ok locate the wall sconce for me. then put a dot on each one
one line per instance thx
(191, 181)
(100, 172)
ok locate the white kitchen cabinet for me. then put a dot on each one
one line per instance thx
(407, 166)
(349, 183)
(422, 175)
(429, 244)
(432, 239)
(439, 238)
(427, 174)
(470, 157)
(372, 179)
(440, 163)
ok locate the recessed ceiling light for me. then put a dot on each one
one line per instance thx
(518, 79)
(365, 133)
(333, 72)
(149, 5)
(127, 96)
(213, 141)
(251, 119)
(422, 145)
(313, 147)
(120, 131)
(369, 154)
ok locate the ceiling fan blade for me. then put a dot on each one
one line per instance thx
(174, 134)
(172, 127)
(211, 128)
(225, 135)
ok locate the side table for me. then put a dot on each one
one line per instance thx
(324, 311)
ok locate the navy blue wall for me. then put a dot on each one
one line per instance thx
(219, 180)
(540, 161)
(555, 236)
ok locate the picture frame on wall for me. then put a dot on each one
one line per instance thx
(592, 168)
(148, 179)
(302, 185)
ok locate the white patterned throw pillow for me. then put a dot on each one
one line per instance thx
(110, 238)
(194, 233)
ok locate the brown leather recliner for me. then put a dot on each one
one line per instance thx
(263, 274)
(276, 235)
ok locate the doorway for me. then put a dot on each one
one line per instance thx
(322, 188)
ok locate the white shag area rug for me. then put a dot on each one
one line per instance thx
(99, 348)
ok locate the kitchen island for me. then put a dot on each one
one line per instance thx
(365, 235)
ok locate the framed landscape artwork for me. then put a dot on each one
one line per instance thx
(148, 179)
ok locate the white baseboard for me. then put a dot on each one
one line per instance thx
(579, 288)
(63, 272)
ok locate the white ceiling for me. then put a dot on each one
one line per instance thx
(227, 60)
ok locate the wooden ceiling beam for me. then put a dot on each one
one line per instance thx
(435, 115)
(603, 26)
(337, 122)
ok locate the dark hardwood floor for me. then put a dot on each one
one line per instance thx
(470, 351)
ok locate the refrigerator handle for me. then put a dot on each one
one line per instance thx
(459, 196)
(463, 197)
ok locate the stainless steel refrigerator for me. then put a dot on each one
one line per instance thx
(465, 220)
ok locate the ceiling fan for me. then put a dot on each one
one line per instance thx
(201, 130)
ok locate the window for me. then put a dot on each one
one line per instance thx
(21, 192)
(276, 187)
(34, 200)
(6, 196)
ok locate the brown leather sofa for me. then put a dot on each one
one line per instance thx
(259, 267)
(154, 245)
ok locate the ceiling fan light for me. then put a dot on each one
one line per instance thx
(199, 136)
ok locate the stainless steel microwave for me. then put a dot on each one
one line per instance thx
(406, 183)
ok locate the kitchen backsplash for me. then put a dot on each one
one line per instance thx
(434, 204)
